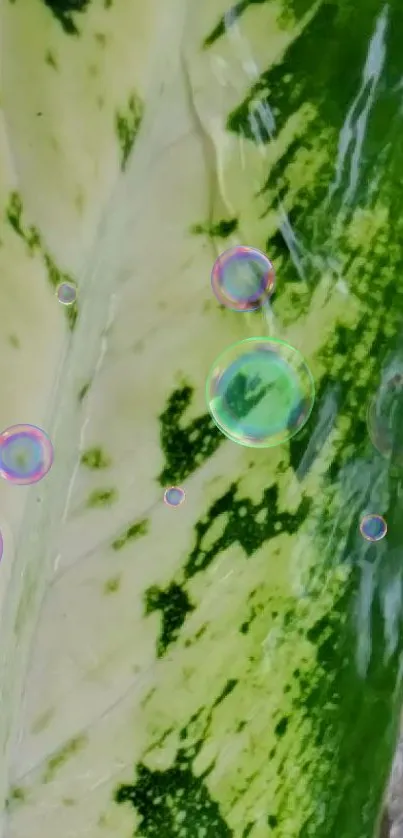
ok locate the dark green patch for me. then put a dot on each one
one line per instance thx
(223, 24)
(95, 458)
(14, 213)
(243, 526)
(175, 802)
(136, 530)
(55, 275)
(245, 626)
(32, 238)
(14, 341)
(84, 390)
(175, 606)
(228, 689)
(16, 797)
(319, 629)
(101, 497)
(72, 314)
(65, 11)
(127, 124)
(185, 447)
(51, 60)
(190, 641)
(219, 230)
(112, 585)
(281, 726)
(73, 746)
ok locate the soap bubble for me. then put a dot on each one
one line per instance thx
(26, 454)
(66, 293)
(260, 392)
(385, 419)
(242, 279)
(373, 527)
(174, 496)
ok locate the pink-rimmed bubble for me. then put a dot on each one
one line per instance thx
(242, 278)
(26, 454)
(174, 496)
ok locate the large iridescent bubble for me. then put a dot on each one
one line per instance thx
(260, 392)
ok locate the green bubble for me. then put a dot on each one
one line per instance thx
(260, 392)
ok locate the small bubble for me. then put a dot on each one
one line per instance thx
(373, 527)
(174, 496)
(66, 293)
